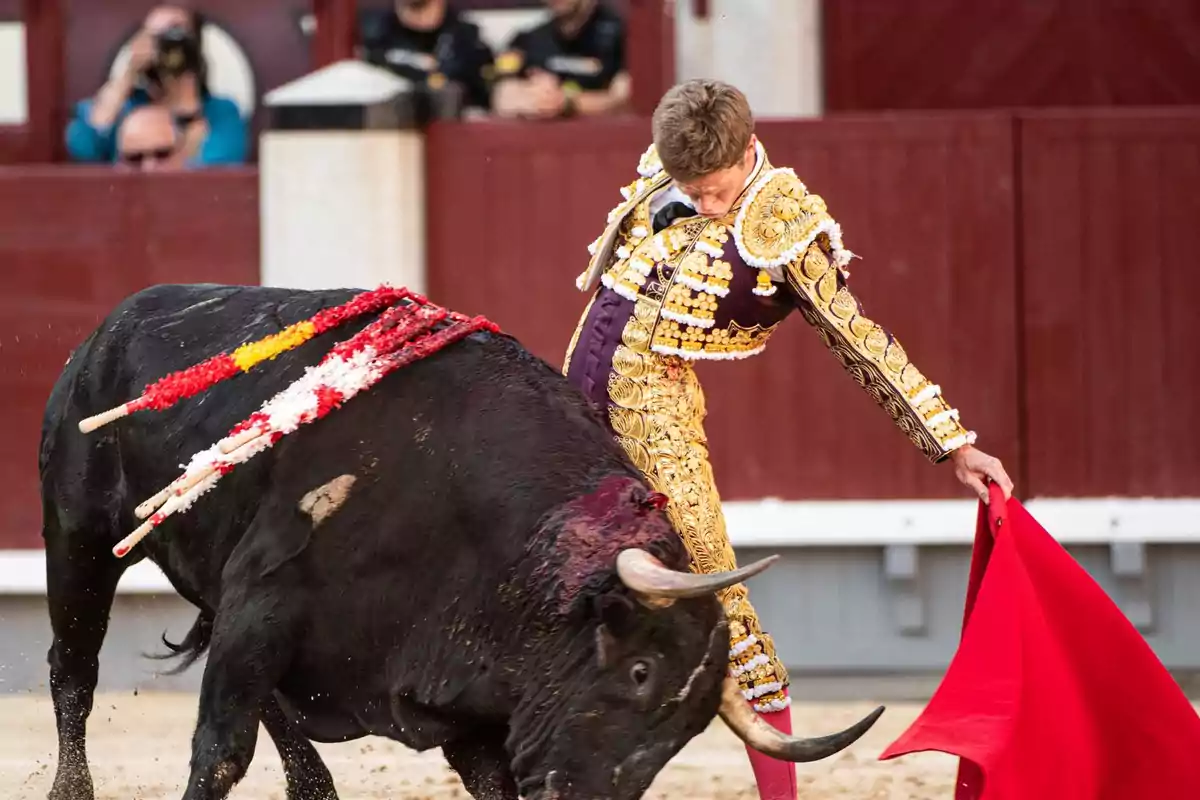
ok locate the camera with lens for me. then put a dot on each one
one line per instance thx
(178, 51)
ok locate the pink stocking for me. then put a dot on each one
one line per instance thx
(776, 779)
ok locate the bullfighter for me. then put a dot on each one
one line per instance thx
(710, 249)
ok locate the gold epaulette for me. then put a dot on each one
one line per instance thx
(780, 218)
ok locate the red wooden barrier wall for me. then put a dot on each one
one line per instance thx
(74, 242)
(1110, 221)
(948, 54)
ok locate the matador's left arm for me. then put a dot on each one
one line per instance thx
(788, 232)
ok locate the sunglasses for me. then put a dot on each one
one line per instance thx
(136, 157)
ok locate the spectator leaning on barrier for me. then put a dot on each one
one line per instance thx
(428, 41)
(572, 64)
(148, 140)
(166, 68)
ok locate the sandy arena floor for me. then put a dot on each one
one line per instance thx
(139, 747)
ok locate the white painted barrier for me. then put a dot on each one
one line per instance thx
(789, 525)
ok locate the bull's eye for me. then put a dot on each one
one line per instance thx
(639, 673)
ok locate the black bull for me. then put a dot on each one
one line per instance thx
(493, 577)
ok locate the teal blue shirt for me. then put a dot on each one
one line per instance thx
(226, 143)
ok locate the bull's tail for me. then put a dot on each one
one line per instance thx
(194, 643)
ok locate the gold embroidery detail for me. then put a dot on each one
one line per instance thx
(659, 421)
(627, 362)
(627, 422)
(763, 285)
(780, 219)
(872, 356)
(733, 339)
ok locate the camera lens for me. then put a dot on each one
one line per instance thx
(176, 50)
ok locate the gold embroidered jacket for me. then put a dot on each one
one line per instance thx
(715, 286)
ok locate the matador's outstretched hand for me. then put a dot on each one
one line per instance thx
(973, 467)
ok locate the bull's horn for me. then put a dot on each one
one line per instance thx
(763, 737)
(646, 575)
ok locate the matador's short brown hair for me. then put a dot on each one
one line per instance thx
(701, 126)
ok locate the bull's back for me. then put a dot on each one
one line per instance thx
(166, 328)
(151, 334)
(484, 416)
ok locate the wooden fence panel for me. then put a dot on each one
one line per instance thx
(1110, 244)
(942, 54)
(74, 243)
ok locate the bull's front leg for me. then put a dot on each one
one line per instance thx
(82, 579)
(307, 776)
(482, 763)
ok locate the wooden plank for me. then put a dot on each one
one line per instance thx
(45, 58)
(929, 54)
(1109, 209)
(337, 31)
(650, 51)
(511, 210)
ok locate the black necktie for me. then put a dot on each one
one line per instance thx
(671, 212)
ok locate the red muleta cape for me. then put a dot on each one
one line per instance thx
(1053, 694)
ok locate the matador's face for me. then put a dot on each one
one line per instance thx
(714, 194)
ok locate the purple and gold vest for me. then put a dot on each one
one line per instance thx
(709, 303)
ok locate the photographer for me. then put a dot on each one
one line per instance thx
(166, 68)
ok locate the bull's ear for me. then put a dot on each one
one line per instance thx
(606, 646)
(616, 619)
(616, 613)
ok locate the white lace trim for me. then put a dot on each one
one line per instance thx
(703, 355)
(758, 661)
(778, 704)
(762, 688)
(620, 288)
(960, 440)
(743, 646)
(938, 419)
(687, 319)
(701, 286)
(928, 393)
(640, 265)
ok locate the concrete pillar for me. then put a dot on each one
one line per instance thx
(342, 180)
(770, 49)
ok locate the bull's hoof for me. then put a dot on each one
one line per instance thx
(73, 786)
(312, 792)
(312, 787)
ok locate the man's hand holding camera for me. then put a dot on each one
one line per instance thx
(142, 52)
(164, 60)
